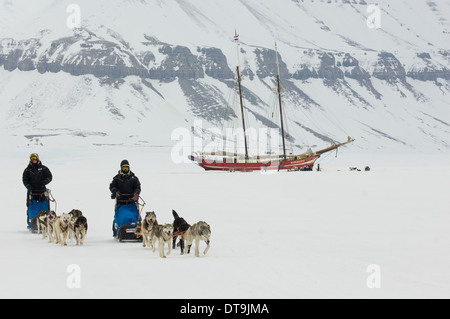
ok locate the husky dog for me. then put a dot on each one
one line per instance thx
(200, 230)
(51, 217)
(74, 214)
(61, 226)
(179, 228)
(41, 221)
(145, 229)
(162, 234)
(80, 226)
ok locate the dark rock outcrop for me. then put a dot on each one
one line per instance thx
(266, 60)
(179, 63)
(215, 63)
(328, 69)
(389, 68)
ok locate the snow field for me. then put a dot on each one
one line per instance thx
(283, 235)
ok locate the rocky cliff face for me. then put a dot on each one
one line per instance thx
(86, 53)
(324, 67)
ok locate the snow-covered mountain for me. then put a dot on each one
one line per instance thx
(132, 71)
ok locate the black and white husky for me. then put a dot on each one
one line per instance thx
(80, 228)
(51, 217)
(41, 221)
(145, 229)
(74, 214)
(180, 226)
(162, 234)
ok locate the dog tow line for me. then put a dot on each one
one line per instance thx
(178, 233)
(140, 212)
(52, 199)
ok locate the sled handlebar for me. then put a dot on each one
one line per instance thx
(128, 200)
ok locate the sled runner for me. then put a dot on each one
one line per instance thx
(126, 217)
(37, 202)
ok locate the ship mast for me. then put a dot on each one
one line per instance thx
(236, 39)
(242, 110)
(279, 101)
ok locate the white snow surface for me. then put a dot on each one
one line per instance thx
(282, 235)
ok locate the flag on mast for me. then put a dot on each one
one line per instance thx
(236, 36)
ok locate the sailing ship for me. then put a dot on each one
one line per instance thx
(232, 162)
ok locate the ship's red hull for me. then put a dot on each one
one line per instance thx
(297, 164)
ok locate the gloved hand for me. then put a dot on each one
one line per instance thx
(113, 195)
(135, 197)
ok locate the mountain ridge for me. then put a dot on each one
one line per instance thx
(351, 78)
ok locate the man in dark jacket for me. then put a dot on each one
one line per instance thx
(35, 177)
(125, 184)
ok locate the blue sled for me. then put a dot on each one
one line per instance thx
(33, 209)
(126, 218)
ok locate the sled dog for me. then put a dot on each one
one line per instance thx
(197, 231)
(41, 221)
(145, 229)
(80, 227)
(74, 214)
(179, 227)
(162, 234)
(61, 226)
(51, 217)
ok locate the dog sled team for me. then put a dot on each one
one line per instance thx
(167, 234)
(40, 218)
(127, 225)
(59, 228)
